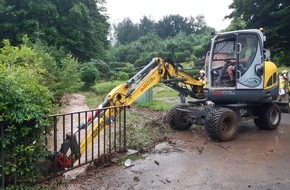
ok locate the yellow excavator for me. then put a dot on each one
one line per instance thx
(252, 92)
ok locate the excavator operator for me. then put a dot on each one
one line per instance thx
(245, 56)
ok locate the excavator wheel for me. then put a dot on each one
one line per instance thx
(221, 124)
(178, 119)
(269, 117)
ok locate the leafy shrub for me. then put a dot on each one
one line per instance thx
(113, 75)
(116, 65)
(60, 74)
(181, 56)
(24, 102)
(123, 76)
(69, 76)
(145, 58)
(129, 68)
(89, 74)
(103, 68)
(51, 58)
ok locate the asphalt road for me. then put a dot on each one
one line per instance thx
(256, 159)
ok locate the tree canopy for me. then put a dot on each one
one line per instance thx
(174, 36)
(77, 25)
(272, 15)
(169, 26)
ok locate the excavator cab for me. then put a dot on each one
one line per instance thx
(240, 54)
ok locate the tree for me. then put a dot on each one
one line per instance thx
(236, 24)
(133, 51)
(84, 27)
(146, 26)
(126, 31)
(174, 36)
(70, 76)
(273, 15)
(102, 67)
(171, 25)
(77, 25)
(89, 74)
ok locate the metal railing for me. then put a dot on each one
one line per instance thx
(70, 137)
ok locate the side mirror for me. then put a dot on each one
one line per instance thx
(259, 70)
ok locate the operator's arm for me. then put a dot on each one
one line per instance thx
(247, 56)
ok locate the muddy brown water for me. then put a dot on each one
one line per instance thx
(256, 159)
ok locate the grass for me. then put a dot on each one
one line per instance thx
(144, 129)
(102, 88)
(92, 99)
(161, 90)
(155, 105)
(161, 95)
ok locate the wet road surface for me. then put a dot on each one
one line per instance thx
(256, 159)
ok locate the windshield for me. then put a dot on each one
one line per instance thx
(223, 50)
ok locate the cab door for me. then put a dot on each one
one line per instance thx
(246, 72)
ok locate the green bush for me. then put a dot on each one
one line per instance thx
(60, 73)
(103, 68)
(89, 74)
(181, 56)
(123, 76)
(51, 58)
(69, 76)
(24, 102)
(145, 58)
(117, 65)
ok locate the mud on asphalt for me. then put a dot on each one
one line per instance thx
(256, 159)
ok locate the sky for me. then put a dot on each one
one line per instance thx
(214, 11)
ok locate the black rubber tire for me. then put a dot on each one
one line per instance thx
(269, 117)
(178, 119)
(221, 124)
